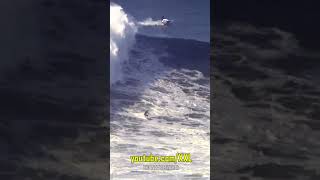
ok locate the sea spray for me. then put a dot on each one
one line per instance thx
(150, 22)
(122, 38)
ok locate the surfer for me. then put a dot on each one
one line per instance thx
(146, 114)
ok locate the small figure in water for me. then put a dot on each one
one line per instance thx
(146, 114)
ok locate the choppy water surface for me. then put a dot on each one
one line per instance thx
(178, 102)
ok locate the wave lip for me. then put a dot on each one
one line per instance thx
(122, 37)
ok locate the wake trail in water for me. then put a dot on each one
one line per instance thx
(150, 22)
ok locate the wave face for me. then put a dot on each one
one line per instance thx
(122, 37)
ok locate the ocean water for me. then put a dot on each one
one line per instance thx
(165, 71)
(191, 19)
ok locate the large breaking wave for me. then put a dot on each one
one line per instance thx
(123, 29)
(122, 37)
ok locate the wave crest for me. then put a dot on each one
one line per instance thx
(122, 37)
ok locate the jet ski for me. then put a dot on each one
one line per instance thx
(165, 21)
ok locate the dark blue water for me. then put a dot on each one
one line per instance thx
(191, 18)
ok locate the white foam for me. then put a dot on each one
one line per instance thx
(150, 22)
(122, 37)
(173, 126)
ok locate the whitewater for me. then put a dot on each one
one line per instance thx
(122, 33)
(176, 98)
(122, 37)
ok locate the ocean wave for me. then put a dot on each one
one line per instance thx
(122, 37)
